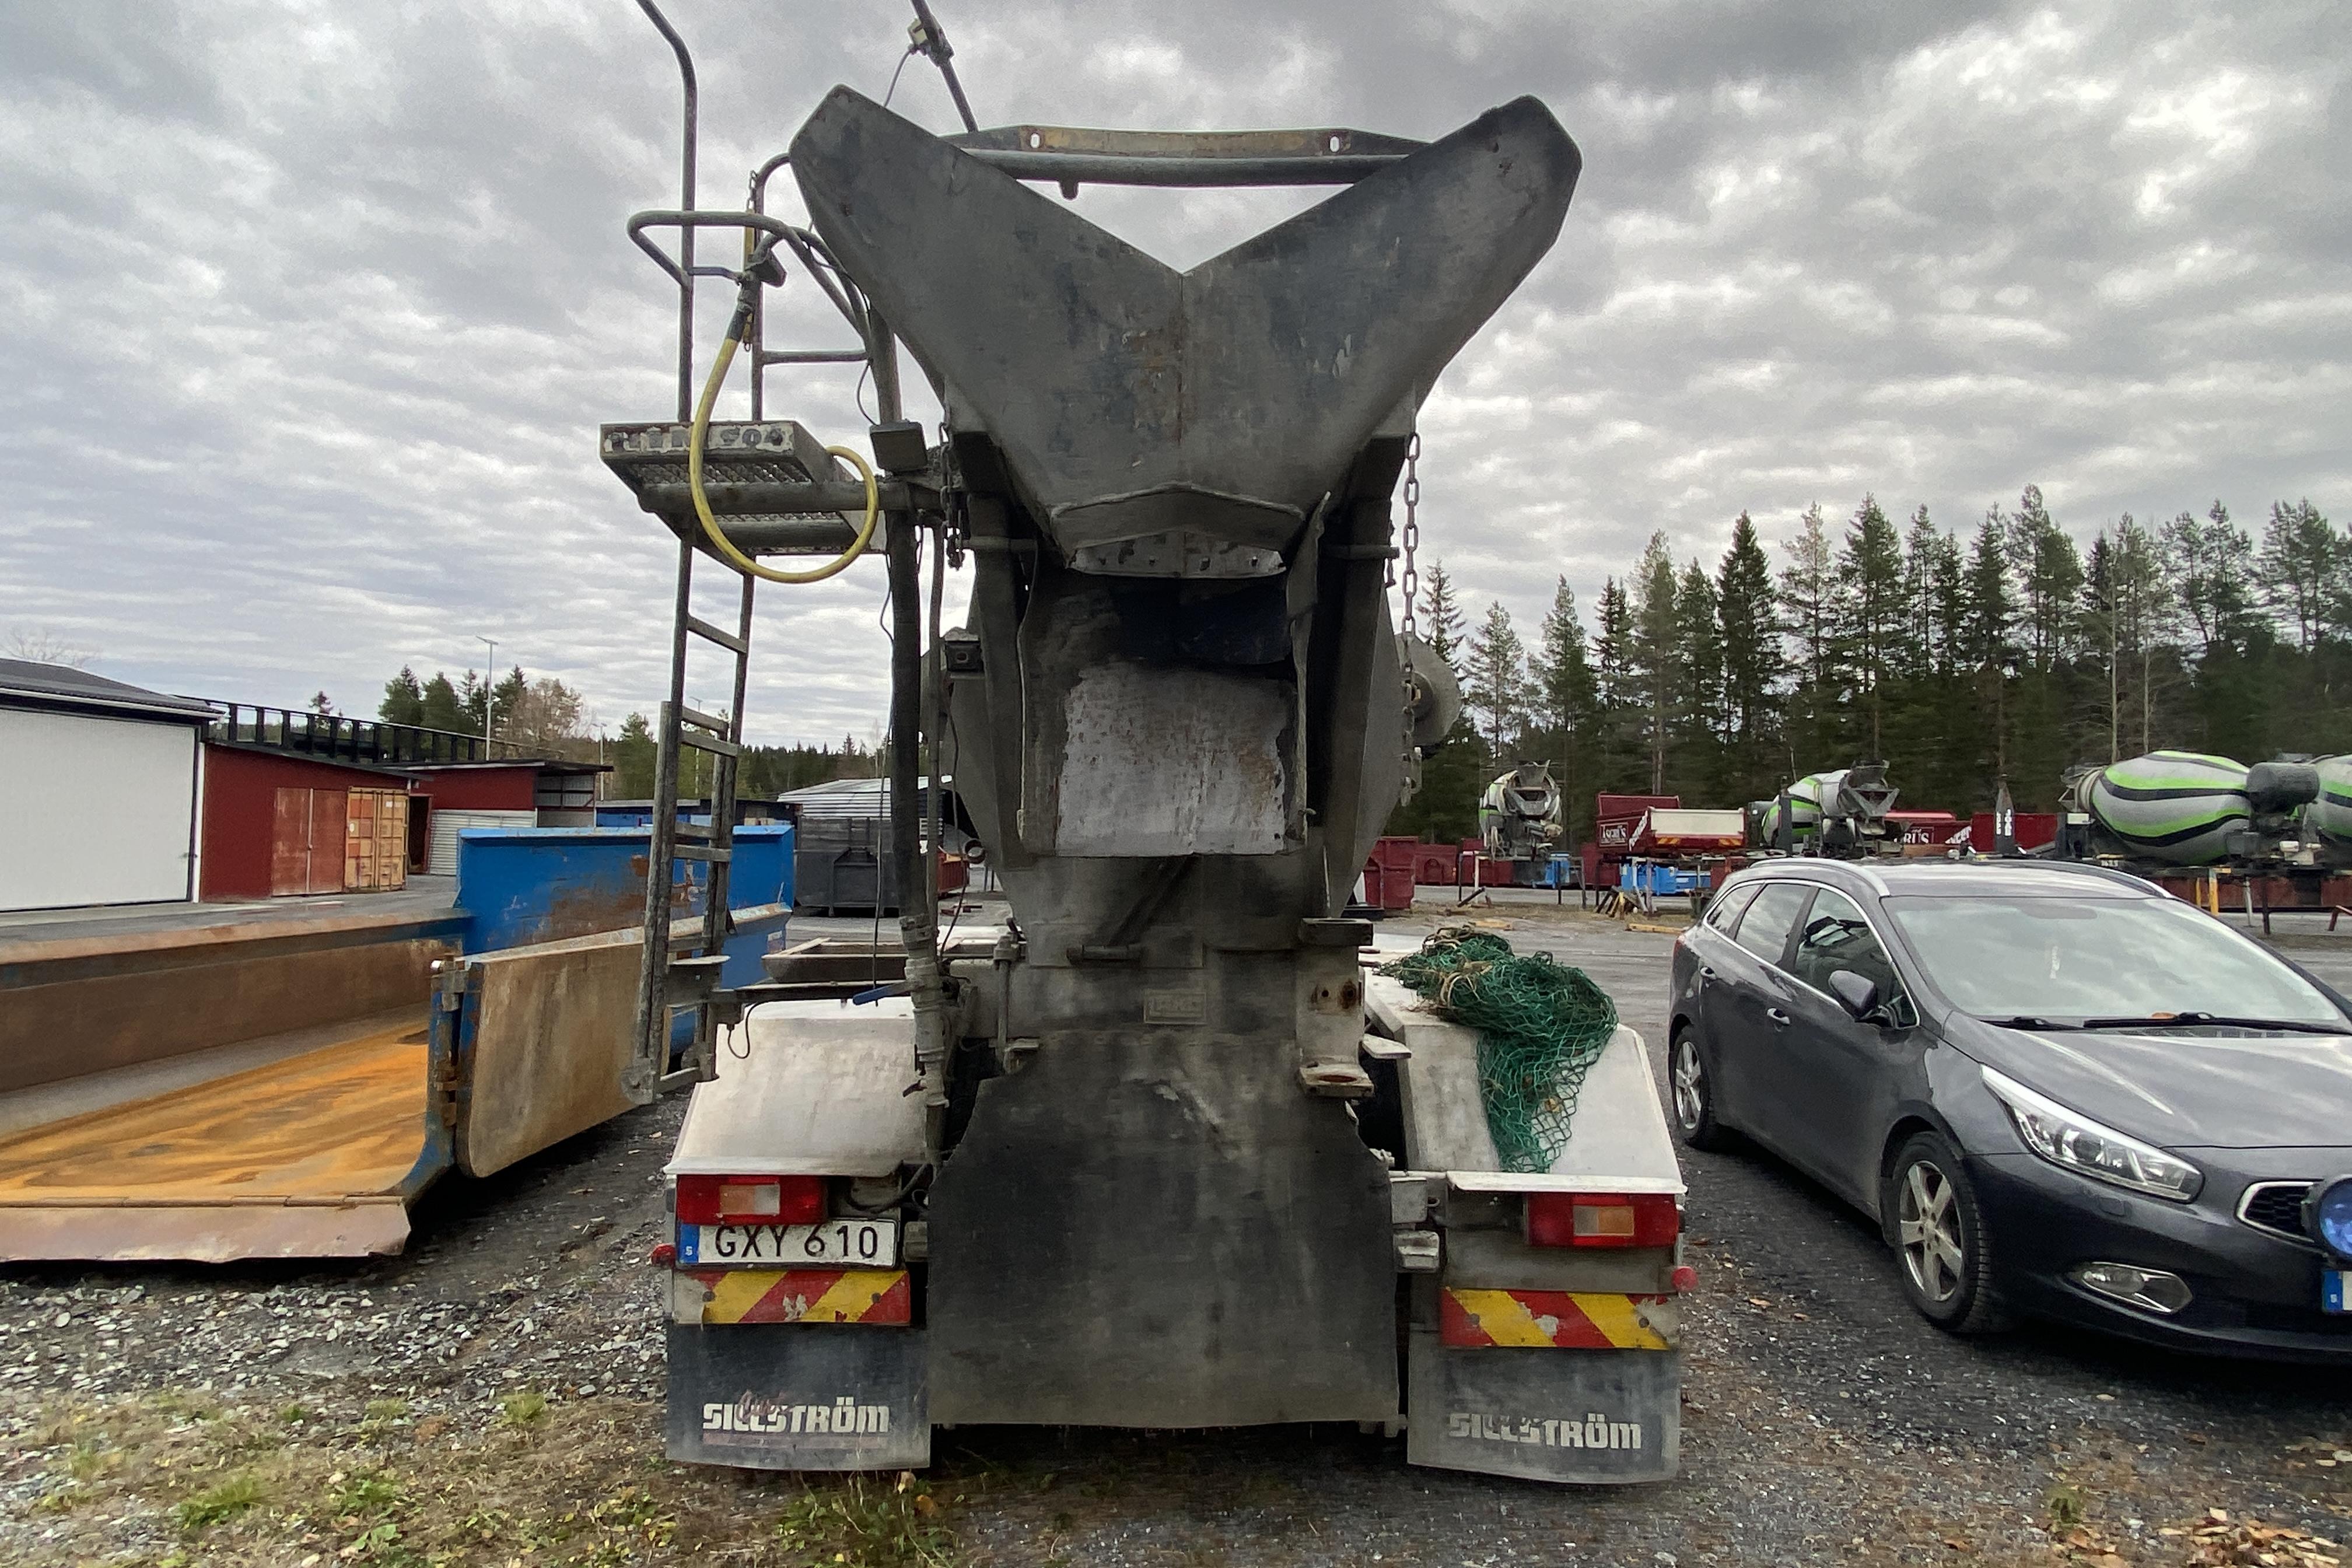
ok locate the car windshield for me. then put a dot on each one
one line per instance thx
(2067, 960)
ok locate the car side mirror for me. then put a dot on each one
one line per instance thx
(1857, 993)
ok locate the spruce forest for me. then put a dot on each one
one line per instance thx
(2008, 652)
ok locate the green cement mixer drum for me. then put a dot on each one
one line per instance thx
(1804, 797)
(2330, 816)
(2178, 806)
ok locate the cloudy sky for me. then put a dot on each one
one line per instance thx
(309, 312)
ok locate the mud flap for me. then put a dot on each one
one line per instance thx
(798, 1396)
(1591, 1416)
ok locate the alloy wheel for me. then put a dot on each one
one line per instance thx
(1690, 1104)
(1927, 1229)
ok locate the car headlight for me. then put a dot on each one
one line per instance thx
(2329, 1215)
(2068, 1138)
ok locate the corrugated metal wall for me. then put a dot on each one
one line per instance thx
(442, 860)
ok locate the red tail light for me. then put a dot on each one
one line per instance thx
(751, 1200)
(1602, 1219)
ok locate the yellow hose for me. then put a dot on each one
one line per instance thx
(700, 433)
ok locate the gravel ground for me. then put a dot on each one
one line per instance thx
(493, 1396)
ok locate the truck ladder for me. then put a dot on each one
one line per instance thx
(782, 494)
(684, 970)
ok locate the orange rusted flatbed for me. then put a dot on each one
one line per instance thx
(314, 1154)
(285, 1089)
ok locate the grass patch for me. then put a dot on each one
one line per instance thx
(565, 1483)
(184, 1405)
(221, 1502)
(523, 1407)
(2065, 1506)
(366, 1495)
(863, 1523)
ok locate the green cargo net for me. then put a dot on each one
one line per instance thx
(1541, 1026)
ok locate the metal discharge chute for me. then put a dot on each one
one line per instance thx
(1179, 718)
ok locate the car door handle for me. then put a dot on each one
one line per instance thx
(1779, 1019)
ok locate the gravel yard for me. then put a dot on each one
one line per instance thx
(493, 1396)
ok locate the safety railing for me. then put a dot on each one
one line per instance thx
(333, 737)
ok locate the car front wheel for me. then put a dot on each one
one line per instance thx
(1694, 1094)
(1941, 1240)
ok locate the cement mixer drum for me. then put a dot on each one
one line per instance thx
(2181, 808)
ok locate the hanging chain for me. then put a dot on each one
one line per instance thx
(1411, 582)
(955, 526)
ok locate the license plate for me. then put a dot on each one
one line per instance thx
(2331, 1290)
(859, 1243)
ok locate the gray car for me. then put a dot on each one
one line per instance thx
(2057, 1090)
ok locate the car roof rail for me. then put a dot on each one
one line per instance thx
(2074, 868)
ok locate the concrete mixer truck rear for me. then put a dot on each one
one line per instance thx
(1160, 1152)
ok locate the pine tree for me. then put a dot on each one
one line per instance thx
(403, 699)
(1808, 608)
(1564, 677)
(1441, 623)
(1937, 574)
(1991, 619)
(322, 705)
(504, 700)
(2302, 566)
(1749, 638)
(1920, 586)
(1870, 603)
(1697, 717)
(1496, 689)
(2052, 573)
(2143, 612)
(473, 695)
(633, 754)
(443, 708)
(2209, 570)
(1616, 749)
(1925, 728)
(2103, 632)
(1657, 678)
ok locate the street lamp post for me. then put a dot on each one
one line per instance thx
(489, 687)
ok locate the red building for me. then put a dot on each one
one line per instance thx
(528, 792)
(272, 823)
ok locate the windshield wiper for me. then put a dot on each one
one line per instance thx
(2289, 1025)
(2027, 1021)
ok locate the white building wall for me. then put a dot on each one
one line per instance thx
(93, 810)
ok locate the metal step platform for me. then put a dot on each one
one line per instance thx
(771, 481)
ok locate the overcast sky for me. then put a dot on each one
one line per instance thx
(309, 312)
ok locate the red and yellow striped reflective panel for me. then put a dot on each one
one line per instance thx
(1571, 1320)
(805, 1295)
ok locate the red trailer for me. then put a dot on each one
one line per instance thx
(1389, 874)
(1923, 831)
(2034, 830)
(1615, 820)
(1436, 865)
